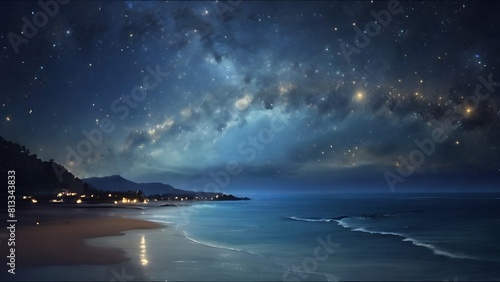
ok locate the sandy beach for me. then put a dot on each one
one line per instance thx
(62, 242)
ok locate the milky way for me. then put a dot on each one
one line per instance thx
(298, 95)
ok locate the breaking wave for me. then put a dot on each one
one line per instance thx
(341, 220)
(406, 238)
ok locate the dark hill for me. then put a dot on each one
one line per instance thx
(34, 176)
(118, 183)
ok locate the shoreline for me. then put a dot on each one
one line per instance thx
(63, 242)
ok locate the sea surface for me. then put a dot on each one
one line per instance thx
(308, 237)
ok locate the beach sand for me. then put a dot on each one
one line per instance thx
(62, 242)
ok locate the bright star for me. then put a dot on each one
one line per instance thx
(359, 96)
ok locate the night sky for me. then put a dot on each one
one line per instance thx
(176, 91)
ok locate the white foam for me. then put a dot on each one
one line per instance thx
(311, 219)
(219, 247)
(436, 250)
(343, 224)
(415, 242)
(361, 229)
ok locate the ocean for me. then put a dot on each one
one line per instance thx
(308, 237)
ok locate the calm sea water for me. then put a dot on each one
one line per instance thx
(303, 237)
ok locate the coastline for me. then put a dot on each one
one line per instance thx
(116, 245)
(62, 242)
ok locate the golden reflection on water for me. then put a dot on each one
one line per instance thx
(144, 253)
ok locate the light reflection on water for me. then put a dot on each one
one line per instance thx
(144, 254)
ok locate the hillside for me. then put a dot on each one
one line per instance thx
(120, 184)
(34, 176)
(45, 179)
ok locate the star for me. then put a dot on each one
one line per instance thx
(359, 96)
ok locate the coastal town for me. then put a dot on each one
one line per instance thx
(129, 197)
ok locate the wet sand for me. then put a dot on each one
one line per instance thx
(62, 242)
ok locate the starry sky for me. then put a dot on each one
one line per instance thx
(284, 95)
